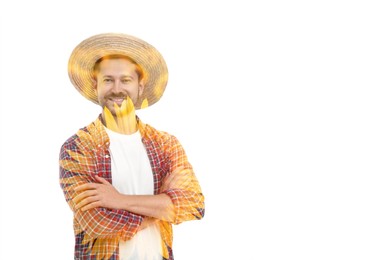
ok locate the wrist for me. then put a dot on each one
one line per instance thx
(121, 201)
(126, 202)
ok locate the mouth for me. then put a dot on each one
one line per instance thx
(117, 100)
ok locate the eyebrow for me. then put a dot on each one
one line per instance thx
(127, 76)
(122, 76)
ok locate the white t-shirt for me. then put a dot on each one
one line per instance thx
(132, 175)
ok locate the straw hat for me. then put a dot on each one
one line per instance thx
(85, 55)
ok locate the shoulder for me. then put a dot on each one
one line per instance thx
(87, 136)
(71, 142)
(157, 136)
(152, 133)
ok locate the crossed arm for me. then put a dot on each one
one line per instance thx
(103, 194)
(102, 211)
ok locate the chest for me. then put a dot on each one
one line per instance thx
(148, 155)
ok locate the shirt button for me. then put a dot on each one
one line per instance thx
(107, 156)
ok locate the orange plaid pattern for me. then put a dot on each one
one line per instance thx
(98, 231)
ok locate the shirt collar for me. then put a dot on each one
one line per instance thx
(101, 137)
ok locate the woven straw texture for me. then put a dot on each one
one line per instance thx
(85, 55)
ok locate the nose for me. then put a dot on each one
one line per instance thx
(116, 87)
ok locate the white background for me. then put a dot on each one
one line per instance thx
(282, 107)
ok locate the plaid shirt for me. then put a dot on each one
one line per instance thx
(99, 230)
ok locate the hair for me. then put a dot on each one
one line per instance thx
(138, 68)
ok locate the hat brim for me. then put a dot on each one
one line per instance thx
(85, 55)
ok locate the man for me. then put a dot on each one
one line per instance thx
(125, 181)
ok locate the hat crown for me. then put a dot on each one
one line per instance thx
(84, 56)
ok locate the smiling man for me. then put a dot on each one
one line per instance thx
(125, 181)
(116, 77)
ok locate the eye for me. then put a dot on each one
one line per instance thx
(126, 81)
(107, 80)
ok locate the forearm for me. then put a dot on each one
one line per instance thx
(181, 185)
(156, 206)
(103, 223)
(100, 222)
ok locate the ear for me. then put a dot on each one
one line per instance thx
(141, 87)
(94, 84)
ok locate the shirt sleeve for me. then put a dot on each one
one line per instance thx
(185, 193)
(77, 167)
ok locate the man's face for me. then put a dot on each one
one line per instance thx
(115, 80)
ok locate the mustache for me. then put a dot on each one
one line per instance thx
(124, 96)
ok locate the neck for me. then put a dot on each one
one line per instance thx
(124, 124)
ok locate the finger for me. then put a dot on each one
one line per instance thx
(87, 201)
(86, 186)
(178, 169)
(92, 205)
(167, 181)
(84, 195)
(170, 180)
(173, 179)
(101, 180)
(178, 181)
(177, 173)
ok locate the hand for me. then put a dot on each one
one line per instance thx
(175, 180)
(146, 222)
(94, 195)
